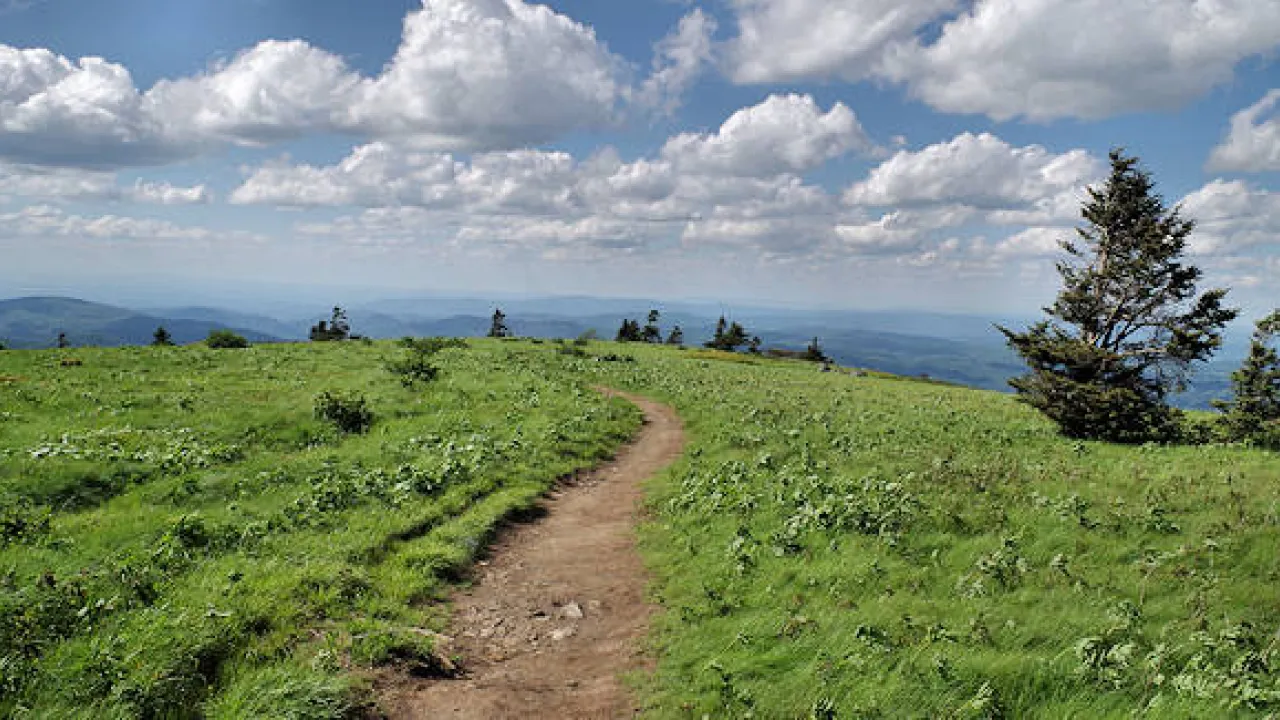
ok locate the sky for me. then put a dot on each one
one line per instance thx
(920, 154)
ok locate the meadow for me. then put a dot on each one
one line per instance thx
(181, 537)
(866, 547)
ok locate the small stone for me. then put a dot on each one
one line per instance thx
(563, 634)
(573, 611)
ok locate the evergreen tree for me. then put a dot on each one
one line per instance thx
(336, 329)
(498, 325)
(629, 331)
(1128, 322)
(814, 352)
(652, 333)
(63, 343)
(676, 337)
(730, 336)
(1253, 413)
(161, 337)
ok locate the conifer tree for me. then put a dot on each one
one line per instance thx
(1253, 413)
(676, 337)
(63, 343)
(814, 352)
(161, 337)
(652, 333)
(498, 325)
(1128, 322)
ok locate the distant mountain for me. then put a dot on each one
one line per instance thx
(36, 323)
(268, 326)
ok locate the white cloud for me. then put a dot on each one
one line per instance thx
(982, 171)
(67, 184)
(468, 75)
(46, 221)
(785, 133)
(679, 59)
(1232, 216)
(1038, 59)
(1253, 143)
(474, 74)
(1044, 59)
(792, 40)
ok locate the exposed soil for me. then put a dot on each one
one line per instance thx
(557, 611)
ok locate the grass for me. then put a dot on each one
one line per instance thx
(858, 547)
(182, 537)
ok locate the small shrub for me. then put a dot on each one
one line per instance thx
(225, 339)
(349, 413)
(413, 369)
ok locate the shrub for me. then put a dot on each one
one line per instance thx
(225, 339)
(413, 369)
(349, 413)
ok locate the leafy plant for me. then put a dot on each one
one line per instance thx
(226, 339)
(350, 413)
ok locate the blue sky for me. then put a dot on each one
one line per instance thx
(840, 153)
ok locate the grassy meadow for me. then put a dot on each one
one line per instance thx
(861, 547)
(181, 537)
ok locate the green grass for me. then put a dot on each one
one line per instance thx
(181, 537)
(184, 538)
(837, 546)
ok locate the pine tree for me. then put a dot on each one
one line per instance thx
(652, 333)
(629, 331)
(161, 337)
(498, 325)
(63, 343)
(1128, 322)
(1253, 413)
(676, 337)
(814, 352)
(336, 329)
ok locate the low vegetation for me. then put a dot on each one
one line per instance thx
(180, 536)
(845, 546)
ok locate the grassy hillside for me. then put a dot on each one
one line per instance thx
(183, 537)
(180, 537)
(848, 547)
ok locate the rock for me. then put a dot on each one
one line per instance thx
(573, 611)
(563, 633)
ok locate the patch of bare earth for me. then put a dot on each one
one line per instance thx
(557, 612)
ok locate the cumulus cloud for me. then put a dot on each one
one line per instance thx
(785, 133)
(1232, 216)
(793, 40)
(982, 171)
(41, 221)
(1253, 143)
(1009, 58)
(468, 75)
(66, 184)
(679, 59)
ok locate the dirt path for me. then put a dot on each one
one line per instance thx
(557, 611)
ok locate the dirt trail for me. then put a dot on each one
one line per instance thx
(558, 609)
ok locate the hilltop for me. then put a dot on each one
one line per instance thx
(184, 535)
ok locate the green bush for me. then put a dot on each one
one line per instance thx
(225, 339)
(350, 413)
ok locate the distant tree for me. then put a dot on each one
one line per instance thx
(3, 346)
(629, 331)
(1128, 322)
(676, 337)
(730, 336)
(225, 339)
(498, 325)
(161, 337)
(1253, 412)
(814, 352)
(336, 329)
(652, 333)
(63, 343)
